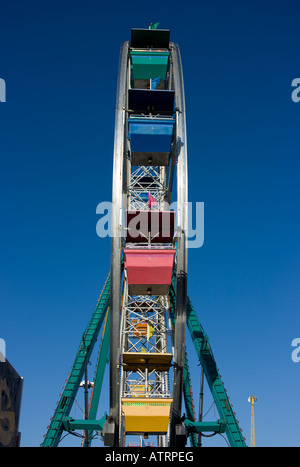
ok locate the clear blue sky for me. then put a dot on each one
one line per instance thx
(59, 61)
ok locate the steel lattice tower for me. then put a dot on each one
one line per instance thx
(252, 399)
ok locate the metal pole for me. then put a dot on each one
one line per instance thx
(86, 407)
(201, 406)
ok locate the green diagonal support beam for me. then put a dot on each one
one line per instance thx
(206, 358)
(88, 340)
(99, 375)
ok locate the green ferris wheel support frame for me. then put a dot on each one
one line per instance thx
(82, 358)
(208, 363)
(61, 420)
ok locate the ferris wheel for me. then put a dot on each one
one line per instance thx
(144, 309)
(150, 149)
